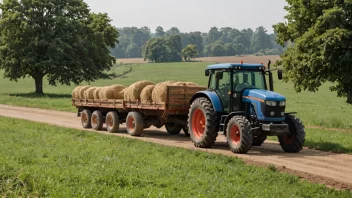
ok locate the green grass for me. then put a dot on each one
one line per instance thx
(48, 161)
(327, 140)
(322, 108)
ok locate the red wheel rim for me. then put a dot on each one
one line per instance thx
(235, 134)
(289, 139)
(94, 120)
(84, 118)
(109, 121)
(198, 123)
(130, 123)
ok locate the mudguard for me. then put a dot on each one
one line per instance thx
(213, 98)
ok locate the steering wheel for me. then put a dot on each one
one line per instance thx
(240, 87)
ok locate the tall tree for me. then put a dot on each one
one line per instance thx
(321, 32)
(155, 50)
(189, 52)
(60, 40)
(133, 51)
(261, 40)
(174, 47)
(173, 31)
(159, 32)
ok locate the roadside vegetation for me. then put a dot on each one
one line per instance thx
(48, 161)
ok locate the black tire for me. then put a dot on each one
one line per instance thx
(134, 124)
(293, 143)
(97, 120)
(202, 134)
(185, 131)
(112, 122)
(86, 116)
(239, 135)
(258, 140)
(173, 128)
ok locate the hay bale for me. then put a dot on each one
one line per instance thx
(179, 84)
(133, 92)
(159, 92)
(146, 94)
(82, 90)
(191, 84)
(111, 92)
(96, 93)
(89, 93)
(75, 92)
(101, 93)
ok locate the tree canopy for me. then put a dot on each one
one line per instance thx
(189, 52)
(60, 40)
(321, 32)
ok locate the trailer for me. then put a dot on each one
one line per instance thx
(172, 114)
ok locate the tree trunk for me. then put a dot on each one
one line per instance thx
(349, 97)
(38, 85)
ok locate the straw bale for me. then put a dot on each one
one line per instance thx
(96, 93)
(88, 94)
(133, 92)
(191, 84)
(159, 92)
(112, 92)
(82, 90)
(146, 94)
(75, 92)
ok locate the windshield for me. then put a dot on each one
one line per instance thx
(248, 79)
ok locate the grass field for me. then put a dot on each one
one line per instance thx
(322, 108)
(48, 161)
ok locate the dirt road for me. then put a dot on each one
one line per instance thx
(331, 169)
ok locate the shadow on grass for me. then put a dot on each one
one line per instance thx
(328, 146)
(35, 95)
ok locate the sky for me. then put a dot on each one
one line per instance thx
(192, 15)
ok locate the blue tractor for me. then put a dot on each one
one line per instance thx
(239, 104)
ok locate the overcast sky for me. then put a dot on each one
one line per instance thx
(192, 15)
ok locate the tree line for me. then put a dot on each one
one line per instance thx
(217, 42)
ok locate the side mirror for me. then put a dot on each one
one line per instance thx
(207, 72)
(279, 74)
(219, 75)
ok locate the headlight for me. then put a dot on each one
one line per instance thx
(271, 103)
(283, 103)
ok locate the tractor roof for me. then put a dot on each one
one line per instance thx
(233, 65)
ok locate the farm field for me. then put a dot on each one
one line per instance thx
(58, 162)
(322, 108)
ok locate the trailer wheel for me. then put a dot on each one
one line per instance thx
(173, 128)
(203, 123)
(112, 122)
(258, 140)
(239, 135)
(86, 116)
(293, 143)
(134, 124)
(97, 120)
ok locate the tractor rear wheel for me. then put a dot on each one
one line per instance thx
(97, 120)
(294, 142)
(203, 123)
(112, 122)
(86, 116)
(258, 140)
(134, 124)
(173, 128)
(239, 135)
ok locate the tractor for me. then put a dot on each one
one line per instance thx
(239, 104)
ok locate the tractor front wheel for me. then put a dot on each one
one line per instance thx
(294, 142)
(202, 123)
(239, 135)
